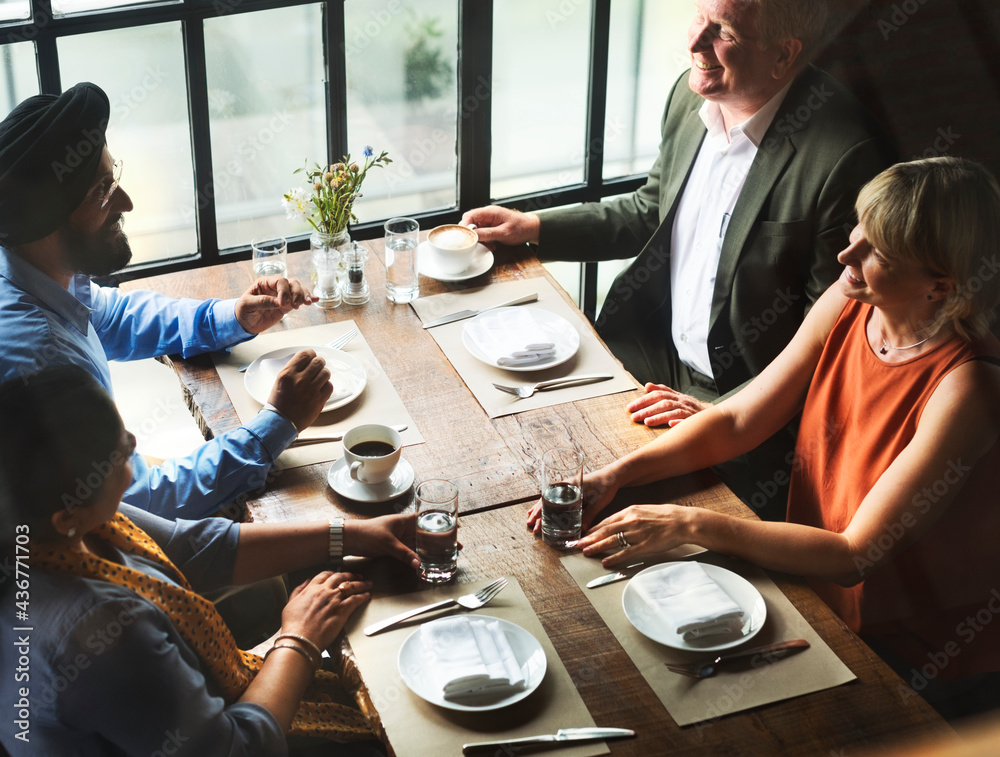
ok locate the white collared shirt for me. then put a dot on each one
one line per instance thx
(703, 214)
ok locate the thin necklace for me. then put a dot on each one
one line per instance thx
(886, 346)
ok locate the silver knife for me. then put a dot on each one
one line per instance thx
(610, 578)
(562, 737)
(461, 315)
(619, 575)
(334, 437)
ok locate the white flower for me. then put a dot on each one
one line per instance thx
(296, 205)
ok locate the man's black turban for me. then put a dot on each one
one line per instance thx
(50, 149)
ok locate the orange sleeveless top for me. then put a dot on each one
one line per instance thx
(937, 603)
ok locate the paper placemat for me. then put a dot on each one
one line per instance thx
(592, 357)
(378, 403)
(689, 700)
(417, 728)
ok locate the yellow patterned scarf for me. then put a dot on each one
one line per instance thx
(201, 626)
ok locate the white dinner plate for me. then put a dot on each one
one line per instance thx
(411, 662)
(427, 265)
(738, 588)
(347, 374)
(339, 478)
(551, 328)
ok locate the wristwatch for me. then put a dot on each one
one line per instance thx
(336, 538)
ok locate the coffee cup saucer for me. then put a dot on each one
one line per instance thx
(339, 478)
(427, 264)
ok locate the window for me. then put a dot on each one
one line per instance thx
(215, 103)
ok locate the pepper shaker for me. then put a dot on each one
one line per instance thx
(356, 291)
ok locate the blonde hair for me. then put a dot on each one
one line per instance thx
(944, 214)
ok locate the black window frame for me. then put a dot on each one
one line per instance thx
(475, 64)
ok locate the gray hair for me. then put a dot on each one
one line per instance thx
(804, 20)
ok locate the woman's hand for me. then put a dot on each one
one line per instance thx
(392, 535)
(648, 529)
(319, 608)
(599, 488)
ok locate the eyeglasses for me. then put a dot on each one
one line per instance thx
(116, 177)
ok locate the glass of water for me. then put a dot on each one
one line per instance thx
(437, 530)
(401, 240)
(270, 257)
(562, 496)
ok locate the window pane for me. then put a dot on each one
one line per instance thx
(149, 128)
(402, 96)
(651, 39)
(541, 61)
(267, 115)
(69, 7)
(19, 79)
(15, 10)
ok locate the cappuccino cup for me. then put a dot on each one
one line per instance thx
(372, 452)
(453, 247)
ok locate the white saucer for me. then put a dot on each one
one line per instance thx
(341, 482)
(742, 592)
(427, 265)
(527, 651)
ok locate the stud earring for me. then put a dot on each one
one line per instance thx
(929, 297)
(71, 533)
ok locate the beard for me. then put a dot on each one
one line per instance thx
(98, 254)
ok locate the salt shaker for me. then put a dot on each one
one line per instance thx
(356, 290)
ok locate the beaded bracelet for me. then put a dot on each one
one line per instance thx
(308, 642)
(301, 650)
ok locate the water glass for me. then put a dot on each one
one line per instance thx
(270, 257)
(437, 530)
(401, 240)
(562, 496)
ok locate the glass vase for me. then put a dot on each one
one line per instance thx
(329, 271)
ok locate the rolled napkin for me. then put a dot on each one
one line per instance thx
(687, 600)
(470, 656)
(510, 337)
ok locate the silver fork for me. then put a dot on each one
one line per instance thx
(526, 391)
(336, 344)
(468, 601)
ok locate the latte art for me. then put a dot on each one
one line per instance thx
(453, 237)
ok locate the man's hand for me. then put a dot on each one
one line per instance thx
(496, 225)
(392, 535)
(267, 300)
(662, 406)
(302, 388)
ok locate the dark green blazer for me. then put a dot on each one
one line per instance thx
(793, 216)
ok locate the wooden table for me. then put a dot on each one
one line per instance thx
(492, 462)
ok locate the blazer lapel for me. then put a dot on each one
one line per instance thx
(764, 172)
(689, 138)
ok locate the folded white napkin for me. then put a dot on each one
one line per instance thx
(687, 600)
(510, 337)
(469, 656)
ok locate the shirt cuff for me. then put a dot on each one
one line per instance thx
(274, 430)
(227, 329)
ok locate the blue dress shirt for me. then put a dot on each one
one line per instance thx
(109, 674)
(42, 324)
